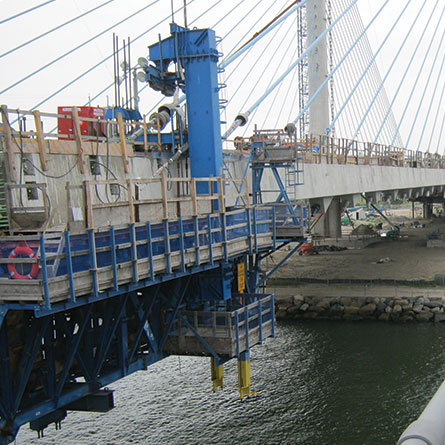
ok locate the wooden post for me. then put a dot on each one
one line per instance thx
(164, 196)
(89, 204)
(40, 140)
(11, 172)
(158, 127)
(120, 123)
(211, 193)
(193, 193)
(145, 135)
(78, 138)
(130, 200)
(247, 192)
(222, 201)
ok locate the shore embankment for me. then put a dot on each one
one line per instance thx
(400, 280)
(399, 309)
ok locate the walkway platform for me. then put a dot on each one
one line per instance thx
(96, 261)
(227, 333)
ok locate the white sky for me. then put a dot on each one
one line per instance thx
(269, 59)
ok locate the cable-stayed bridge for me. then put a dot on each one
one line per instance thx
(137, 211)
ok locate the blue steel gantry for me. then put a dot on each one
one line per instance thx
(104, 303)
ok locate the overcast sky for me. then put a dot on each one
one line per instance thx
(267, 61)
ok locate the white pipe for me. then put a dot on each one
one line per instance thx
(239, 121)
(429, 428)
(176, 156)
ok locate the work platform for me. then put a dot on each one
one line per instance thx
(228, 333)
(96, 261)
(124, 244)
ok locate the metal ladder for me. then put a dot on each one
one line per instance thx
(293, 178)
(4, 222)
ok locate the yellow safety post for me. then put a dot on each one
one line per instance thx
(241, 270)
(241, 279)
(244, 375)
(217, 372)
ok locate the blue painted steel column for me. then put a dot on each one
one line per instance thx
(69, 265)
(196, 229)
(274, 229)
(181, 243)
(201, 88)
(195, 51)
(224, 234)
(246, 320)
(44, 271)
(114, 257)
(150, 251)
(167, 246)
(134, 254)
(237, 332)
(210, 236)
(249, 230)
(255, 239)
(92, 247)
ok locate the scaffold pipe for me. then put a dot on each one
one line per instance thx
(429, 428)
(239, 121)
(177, 155)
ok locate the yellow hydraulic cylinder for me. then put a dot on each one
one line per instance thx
(217, 372)
(244, 379)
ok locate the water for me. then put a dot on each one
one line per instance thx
(318, 383)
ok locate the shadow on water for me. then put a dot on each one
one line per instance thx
(318, 383)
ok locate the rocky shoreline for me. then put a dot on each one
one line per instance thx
(388, 309)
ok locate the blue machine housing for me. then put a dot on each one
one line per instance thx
(195, 56)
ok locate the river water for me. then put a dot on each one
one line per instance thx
(318, 382)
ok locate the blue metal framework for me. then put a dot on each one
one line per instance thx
(70, 353)
(97, 316)
(55, 354)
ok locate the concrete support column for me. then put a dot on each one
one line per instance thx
(427, 210)
(333, 219)
(329, 225)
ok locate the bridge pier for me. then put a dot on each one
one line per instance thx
(329, 224)
(427, 210)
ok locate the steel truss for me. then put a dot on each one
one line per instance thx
(47, 363)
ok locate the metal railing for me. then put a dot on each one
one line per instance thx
(98, 261)
(242, 325)
(317, 149)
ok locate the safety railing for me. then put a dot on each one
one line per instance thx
(65, 266)
(123, 201)
(151, 196)
(325, 149)
(248, 321)
(71, 133)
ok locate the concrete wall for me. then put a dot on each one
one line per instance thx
(67, 195)
(323, 180)
(66, 191)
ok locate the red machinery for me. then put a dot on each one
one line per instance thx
(306, 249)
(65, 124)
